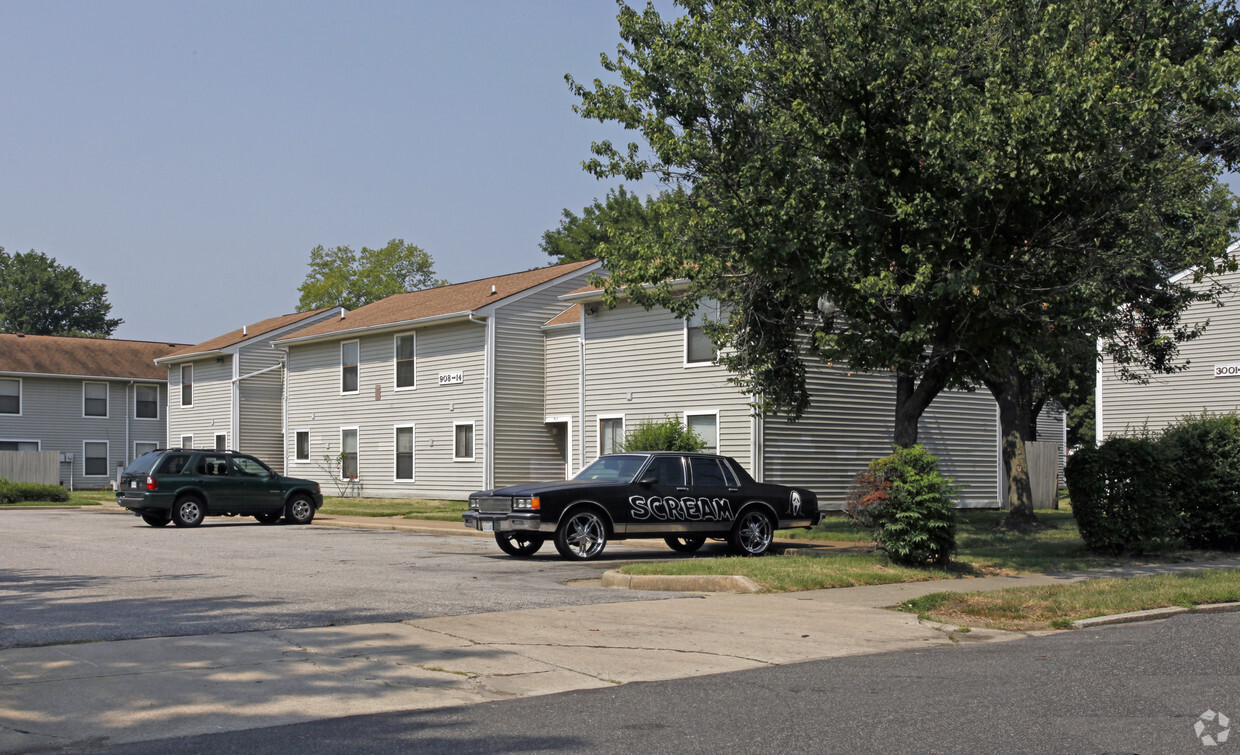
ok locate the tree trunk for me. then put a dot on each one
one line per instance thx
(912, 400)
(1012, 391)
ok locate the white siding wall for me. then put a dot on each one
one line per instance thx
(261, 406)
(52, 413)
(211, 412)
(524, 449)
(635, 366)
(316, 404)
(1128, 408)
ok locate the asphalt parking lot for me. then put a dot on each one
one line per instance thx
(72, 575)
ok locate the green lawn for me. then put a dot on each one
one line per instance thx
(76, 498)
(411, 508)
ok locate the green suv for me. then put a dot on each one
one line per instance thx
(183, 485)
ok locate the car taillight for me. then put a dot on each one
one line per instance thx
(150, 483)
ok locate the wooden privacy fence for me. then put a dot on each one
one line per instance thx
(31, 466)
(1044, 473)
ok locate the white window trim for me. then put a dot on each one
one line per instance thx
(357, 433)
(395, 359)
(215, 441)
(38, 443)
(473, 434)
(309, 447)
(107, 400)
(181, 387)
(137, 443)
(358, 390)
(107, 458)
(685, 351)
(598, 431)
(191, 441)
(135, 402)
(413, 451)
(706, 413)
(21, 397)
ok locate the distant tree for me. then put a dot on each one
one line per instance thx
(342, 277)
(582, 238)
(40, 297)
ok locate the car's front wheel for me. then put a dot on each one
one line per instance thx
(519, 544)
(300, 510)
(188, 511)
(270, 517)
(684, 544)
(156, 520)
(752, 534)
(581, 536)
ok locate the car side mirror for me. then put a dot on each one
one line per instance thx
(649, 479)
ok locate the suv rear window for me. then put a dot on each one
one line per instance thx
(144, 463)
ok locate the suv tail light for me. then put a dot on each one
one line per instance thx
(150, 483)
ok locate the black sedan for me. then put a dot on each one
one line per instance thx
(681, 497)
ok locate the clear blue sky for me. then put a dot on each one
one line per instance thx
(190, 154)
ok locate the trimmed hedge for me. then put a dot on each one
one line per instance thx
(18, 492)
(908, 506)
(1203, 473)
(668, 434)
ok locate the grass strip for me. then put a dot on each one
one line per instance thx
(795, 573)
(1057, 606)
(407, 508)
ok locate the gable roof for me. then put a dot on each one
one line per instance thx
(570, 316)
(83, 357)
(457, 299)
(239, 335)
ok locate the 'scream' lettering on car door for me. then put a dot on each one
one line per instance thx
(681, 509)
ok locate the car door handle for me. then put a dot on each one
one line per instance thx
(682, 490)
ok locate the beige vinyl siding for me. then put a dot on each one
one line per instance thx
(316, 404)
(635, 366)
(212, 409)
(51, 413)
(261, 410)
(851, 421)
(524, 450)
(563, 360)
(1130, 408)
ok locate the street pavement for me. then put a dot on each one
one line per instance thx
(88, 696)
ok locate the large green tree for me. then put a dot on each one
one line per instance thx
(38, 296)
(581, 237)
(342, 277)
(964, 192)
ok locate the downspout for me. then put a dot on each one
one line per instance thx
(128, 443)
(234, 423)
(581, 392)
(488, 401)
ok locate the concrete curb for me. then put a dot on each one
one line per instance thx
(447, 531)
(680, 583)
(1152, 614)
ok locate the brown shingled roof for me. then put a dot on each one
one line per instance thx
(443, 300)
(89, 357)
(244, 334)
(570, 316)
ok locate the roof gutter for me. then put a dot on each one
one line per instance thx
(187, 357)
(379, 328)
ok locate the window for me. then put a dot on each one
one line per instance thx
(187, 385)
(706, 426)
(463, 446)
(707, 472)
(143, 447)
(146, 402)
(348, 453)
(302, 451)
(95, 399)
(213, 466)
(610, 434)
(699, 349)
(667, 470)
(406, 350)
(95, 458)
(10, 396)
(221, 441)
(404, 453)
(173, 464)
(19, 445)
(348, 366)
(187, 441)
(248, 466)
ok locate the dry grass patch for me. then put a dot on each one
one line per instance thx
(406, 508)
(795, 573)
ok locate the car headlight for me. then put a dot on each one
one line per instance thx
(473, 505)
(525, 504)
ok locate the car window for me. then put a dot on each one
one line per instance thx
(248, 465)
(614, 468)
(213, 466)
(144, 463)
(173, 464)
(729, 475)
(667, 470)
(706, 472)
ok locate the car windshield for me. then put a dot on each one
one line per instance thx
(144, 463)
(619, 468)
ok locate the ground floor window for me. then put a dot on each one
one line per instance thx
(95, 458)
(348, 453)
(19, 445)
(143, 447)
(463, 446)
(187, 441)
(610, 434)
(221, 442)
(404, 453)
(302, 452)
(706, 426)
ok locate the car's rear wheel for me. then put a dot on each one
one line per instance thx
(582, 535)
(752, 534)
(270, 517)
(299, 510)
(684, 544)
(156, 520)
(188, 511)
(519, 544)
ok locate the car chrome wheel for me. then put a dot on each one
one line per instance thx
(752, 534)
(581, 536)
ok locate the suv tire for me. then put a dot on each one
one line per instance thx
(299, 510)
(188, 511)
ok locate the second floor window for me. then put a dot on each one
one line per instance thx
(95, 399)
(10, 396)
(405, 377)
(699, 349)
(348, 367)
(187, 385)
(146, 402)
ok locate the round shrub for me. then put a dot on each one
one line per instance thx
(1202, 466)
(908, 506)
(1120, 497)
(668, 434)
